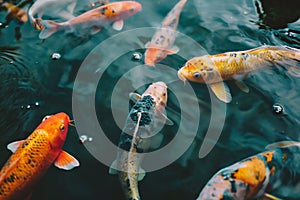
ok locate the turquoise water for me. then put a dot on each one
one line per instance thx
(33, 85)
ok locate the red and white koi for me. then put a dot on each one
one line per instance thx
(162, 43)
(94, 20)
(274, 171)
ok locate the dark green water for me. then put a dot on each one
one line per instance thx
(29, 75)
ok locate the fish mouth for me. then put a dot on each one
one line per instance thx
(181, 75)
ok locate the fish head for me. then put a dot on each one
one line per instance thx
(158, 91)
(122, 10)
(57, 128)
(154, 55)
(200, 70)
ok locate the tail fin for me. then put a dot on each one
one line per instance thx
(50, 28)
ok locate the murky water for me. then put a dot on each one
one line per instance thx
(33, 85)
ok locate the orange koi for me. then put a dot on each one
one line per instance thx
(95, 19)
(33, 156)
(258, 176)
(214, 69)
(162, 43)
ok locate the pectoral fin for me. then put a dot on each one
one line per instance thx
(166, 119)
(222, 91)
(118, 25)
(282, 144)
(113, 167)
(14, 145)
(142, 174)
(71, 6)
(147, 44)
(173, 50)
(242, 86)
(95, 30)
(66, 161)
(134, 96)
(271, 197)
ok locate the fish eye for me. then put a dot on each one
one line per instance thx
(196, 75)
(113, 11)
(164, 94)
(46, 117)
(62, 127)
(131, 10)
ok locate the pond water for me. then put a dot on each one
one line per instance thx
(34, 85)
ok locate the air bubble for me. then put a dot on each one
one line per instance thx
(55, 56)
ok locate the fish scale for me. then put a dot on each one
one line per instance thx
(33, 156)
(30, 160)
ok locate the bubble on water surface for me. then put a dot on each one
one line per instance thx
(85, 138)
(136, 56)
(277, 109)
(55, 56)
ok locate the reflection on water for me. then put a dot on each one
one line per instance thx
(29, 75)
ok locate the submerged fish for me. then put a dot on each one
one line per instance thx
(34, 155)
(276, 170)
(59, 8)
(162, 42)
(92, 21)
(14, 12)
(214, 69)
(141, 122)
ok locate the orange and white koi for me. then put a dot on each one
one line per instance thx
(14, 12)
(162, 43)
(141, 122)
(214, 69)
(34, 155)
(274, 171)
(93, 20)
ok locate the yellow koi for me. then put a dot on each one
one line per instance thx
(214, 69)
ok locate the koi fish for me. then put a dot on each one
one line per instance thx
(14, 12)
(142, 119)
(34, 155)
(214, 69)
(63, 9)
(162, 43)
(256, 176)
(94, 19)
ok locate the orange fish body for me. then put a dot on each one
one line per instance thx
(94, 19)
(214, 69)
(33, 156)
(162, 42)
(257, 176)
